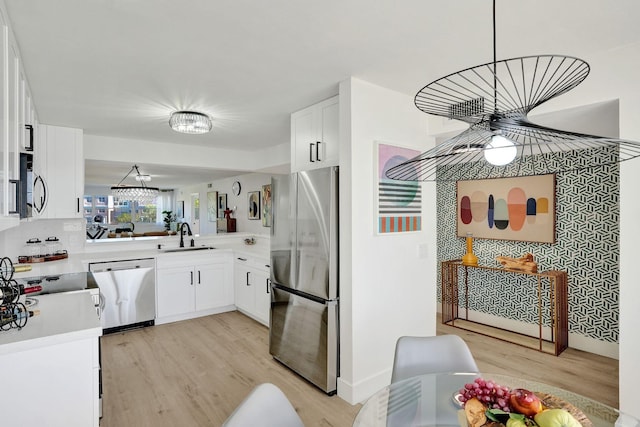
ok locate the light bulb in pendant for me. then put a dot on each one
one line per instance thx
(500, 151)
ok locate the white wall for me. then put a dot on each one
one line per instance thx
(152, 152)
(248, 182)
(614, 76)
(619, 78)
(386, 288)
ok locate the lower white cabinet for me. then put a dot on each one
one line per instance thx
(252, 287)
(193, 284)
(57, 387)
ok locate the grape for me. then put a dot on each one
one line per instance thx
(488, 392)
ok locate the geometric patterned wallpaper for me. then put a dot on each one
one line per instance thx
(587, 247)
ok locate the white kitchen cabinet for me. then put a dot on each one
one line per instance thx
(43, 400)
(9, 154)
(213, 285)
(252, 287)
(314, 136)
(59, 160)
(175, 291)
(51, 366)
(192, 284)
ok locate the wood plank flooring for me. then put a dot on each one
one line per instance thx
(584, 373)
(195, 372)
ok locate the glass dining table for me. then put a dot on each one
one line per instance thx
(433, 400)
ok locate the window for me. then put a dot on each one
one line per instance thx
(111, 210)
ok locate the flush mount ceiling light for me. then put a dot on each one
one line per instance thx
(190, 122)
(135, 193)
(494, 99)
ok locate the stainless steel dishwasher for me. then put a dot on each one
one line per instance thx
(127, 293)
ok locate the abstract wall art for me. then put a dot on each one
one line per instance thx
(266, 205)
(222, 204)
(254, 204)
(521, 209)
(212, 205)
(398, 203)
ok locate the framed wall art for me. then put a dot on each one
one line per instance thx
(222, 204)
(521, 208)
(398, 204)
(266, 205)
(212, 206)
(254, 204)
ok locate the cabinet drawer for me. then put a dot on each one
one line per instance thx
(252, 261)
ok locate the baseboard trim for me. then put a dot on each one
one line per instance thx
(193, 315)
(363, 390)
(576, 341)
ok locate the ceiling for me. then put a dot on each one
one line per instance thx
(120, 67)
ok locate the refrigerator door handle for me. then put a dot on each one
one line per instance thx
(303, 294)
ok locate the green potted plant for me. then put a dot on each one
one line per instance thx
(169, 217)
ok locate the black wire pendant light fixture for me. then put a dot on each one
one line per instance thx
(143, 194)
(494, 99)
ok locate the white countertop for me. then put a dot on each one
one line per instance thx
(71, 316)
(63, 317)
(147, 248)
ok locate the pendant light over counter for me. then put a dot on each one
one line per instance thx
(494, 99)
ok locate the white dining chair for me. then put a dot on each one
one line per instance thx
(427, 355)
(265, 406)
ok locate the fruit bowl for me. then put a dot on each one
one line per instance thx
(485, 403)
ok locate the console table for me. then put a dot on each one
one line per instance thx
(455, 279)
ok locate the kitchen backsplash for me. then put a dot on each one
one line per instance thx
(71, 232)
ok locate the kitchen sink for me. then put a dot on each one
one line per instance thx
(187, 249)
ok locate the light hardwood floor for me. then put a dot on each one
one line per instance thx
(195, 372)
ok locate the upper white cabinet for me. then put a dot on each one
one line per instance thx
(59, 161)
(314, 136)
(16, 111)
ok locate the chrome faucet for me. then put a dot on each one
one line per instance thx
(182, 234)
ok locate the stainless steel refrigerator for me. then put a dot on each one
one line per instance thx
(303, 332)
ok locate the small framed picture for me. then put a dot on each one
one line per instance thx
(254, 205)
(266, 205)
(222, 204)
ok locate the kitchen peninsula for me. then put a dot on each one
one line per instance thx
(57, 347)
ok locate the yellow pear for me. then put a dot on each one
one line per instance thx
(556, 418)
